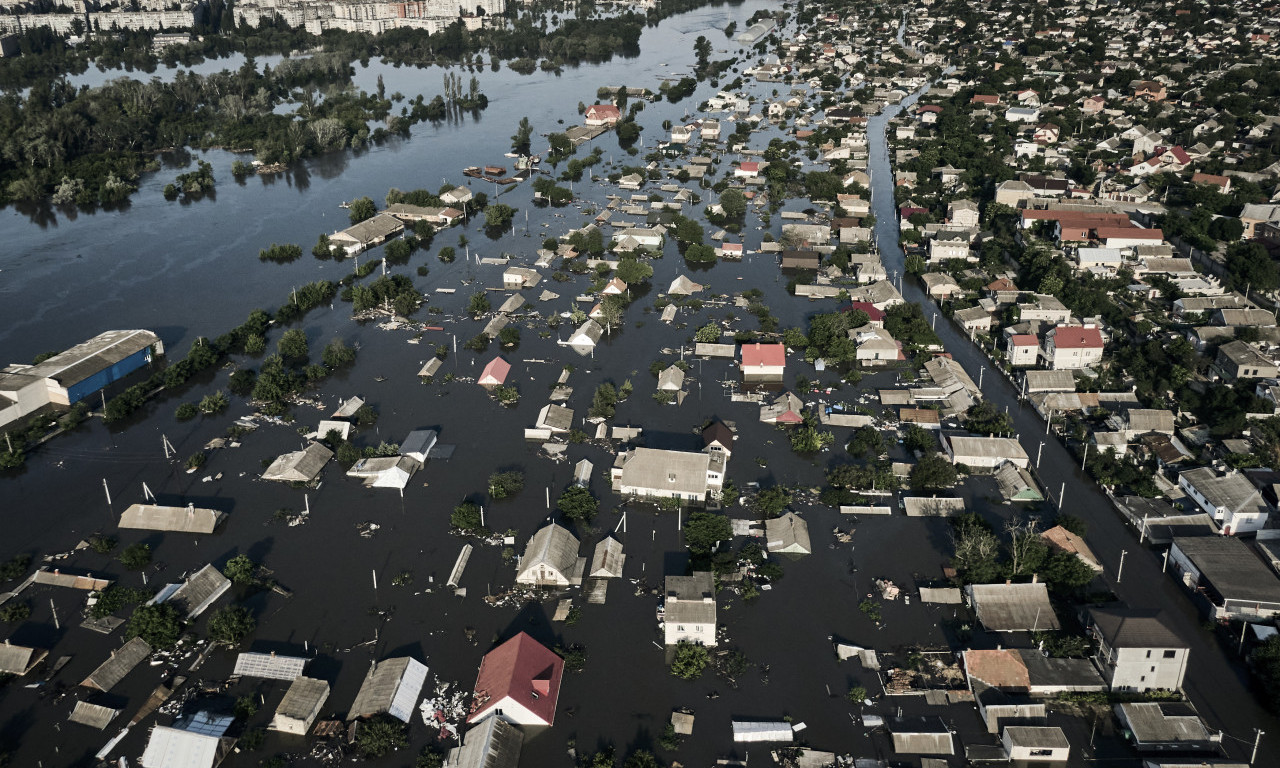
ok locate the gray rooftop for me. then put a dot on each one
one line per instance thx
(1013, 607)
(552, 545)
(1231, 567)
(92, 715)
(1036, 736)
(1163, 722)
(493, 743)
(88, 357)
(305, 695)
(188, 519)
(683, 472)
(390, 686)
(114, 669)
(270, 665)
(199, 591)
(299, 466)
(1123, 627)
(19, 659)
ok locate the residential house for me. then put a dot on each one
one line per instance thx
(1233, 502)
(602, 114)
(1002, 291)
(300, 706)
(384, 471)
(607, 559)
(747, 169)
(1228, 580)
(962, 213)
(797, 259)
(984, 452)
(494, 373)
(367, 233)
(763, 362)
(494, 743)
(1252, 215)
(1036, 743)
(657, 474)
(1241, 360)
(875, 346)
(1062, 540)
(299, 466)
(921, 736)
(188, 519)
(1013, 607)
(18, 660)
(1044, 308)
(718, 438)
(948, 244)
(973, 319)
(940, 285)
(671, 379)
(390, 687)
(1071, 347)
(788, 534)
(1022, 115)
(519, 681)
(195, 741)
(551, 559)
(1023, 349)
(1137, 651)
(689, 610)
(1167, 726)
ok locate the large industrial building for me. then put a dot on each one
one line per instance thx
(71, 376)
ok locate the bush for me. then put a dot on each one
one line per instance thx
(103, 545)
(577, 504)
(689, 661)
(857, 694)
(379, 735)
(466, 517)
(14, 612)
(241, 570)
(338, 355)
(135, 557)
(186, 412)
(503, 485)
(229, 625)
(159, 625)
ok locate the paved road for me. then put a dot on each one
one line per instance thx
(1216, 684)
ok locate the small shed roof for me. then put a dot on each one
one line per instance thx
(608, 558)
(92, 715)
(391, 686)
(19, 659)
(199, 591)
(270, 665)
(789, 533)
(304, 697)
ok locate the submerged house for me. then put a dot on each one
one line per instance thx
(300, 706)
(607, 560)
(299, 466)
(519, 681)
(788, 534)
(494, 373)
(384, 471)
(763, 362)
(18, 660)
(689, 611)
(660, 474)
(390, 687)
(194, 596)
(551, 559)
(197, 741)
(121, 663)
(188, 519)
(494, 743)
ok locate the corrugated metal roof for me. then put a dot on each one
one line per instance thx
(92, 715)
(199, 591)
(391, 686)
(188, 519)
(1013, 607)
(270, 665)
(88, 357)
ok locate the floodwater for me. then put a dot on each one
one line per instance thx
(188, 270)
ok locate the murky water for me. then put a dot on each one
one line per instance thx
(192, 270)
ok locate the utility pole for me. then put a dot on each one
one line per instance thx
(1120, 570)
(1039, 451)
(106, 490)
(1085, 457)
(1257, 738)
(1062, 495)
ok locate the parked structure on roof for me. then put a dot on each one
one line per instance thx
(519, 681)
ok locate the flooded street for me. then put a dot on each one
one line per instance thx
(188, 270)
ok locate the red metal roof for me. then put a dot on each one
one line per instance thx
(603, 111)
(1130, 232)
(873, 314)
(761, 355)
(1024, 340)
(495, 372)
(523, 670)
(1076, 337)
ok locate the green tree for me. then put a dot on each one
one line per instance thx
(604, 401)
(213, 403)
(932, 473)
(866, 443)
(504, 485)
(135, 557)
(689, 661)
(338, 355)
(977, 549)
(985, 418)
(632, 271)
(708, 334)
(380, 735)
(478, 304)
(361, 209)
(241, 570)
(771, 501)
(733, 203)
(520, 142)
(498, 216)
(292, 346)
(577, 504)
(466, 517)
(704, 529)
(15, 611)
(159, 625)
(230, 624)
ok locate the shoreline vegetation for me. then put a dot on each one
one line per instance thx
(88, 147)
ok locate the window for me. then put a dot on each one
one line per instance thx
(1142, 679)
(1148, 654)
(1042, 753)
(1170, 654)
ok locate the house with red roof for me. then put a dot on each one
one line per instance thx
(1023, 349)
(1164, 159)
(1127, 237)
(875, 317)
(986, 99)
(519, 681)
(1223, 183)
(747, 170)
(1071, 347)
(495, 373)
(763, 362)
(603, 114)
